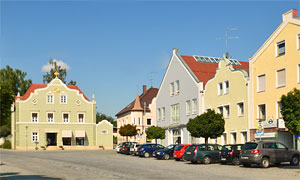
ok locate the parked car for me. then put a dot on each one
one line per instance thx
(133, 149)
(165, 153)
(231, 154)
(206, 153)
(126, 147)
(146, 150)
(265, 153)
(179, 151)
(118, 148)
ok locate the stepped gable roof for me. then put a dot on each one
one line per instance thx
(34, 87)
(207, 70)
(147, 97)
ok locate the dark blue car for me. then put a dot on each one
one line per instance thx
(146, 150)
(165, 153)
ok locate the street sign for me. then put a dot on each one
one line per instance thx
(26, 135)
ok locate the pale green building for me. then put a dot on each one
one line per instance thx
(57, 116)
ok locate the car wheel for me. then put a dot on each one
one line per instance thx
(236, 161)
(246, 165)
(206, 160)
(295, 161)
(265, 162)
(166, 156)
(146, 155)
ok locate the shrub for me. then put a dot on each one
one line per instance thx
(6, 144)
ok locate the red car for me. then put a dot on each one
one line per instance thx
(179, 151)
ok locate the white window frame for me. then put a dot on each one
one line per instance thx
(37, 120)
(278, 114)
(177, 83)
(298, 41)
(159, 114)
(83, 117)
(163, 113)
(32, 136)
(244, 138)
(226, 90)
(188, 107)
(63, 120)
(227, 111)
(231, 137)
(175, 113)
(257, 112)
(298, 70)
(218, 110)
(50, 94)
(257, 83)
(172, 89)
(277, 48)
(194, 106)
(66, 100)
(240, 114)
(47, 117)
(220, 91)
(277, 85)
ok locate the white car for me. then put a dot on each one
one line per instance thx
(133, 149)
(119, 147)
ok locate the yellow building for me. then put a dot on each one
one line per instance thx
(227, 94)
(274, 71)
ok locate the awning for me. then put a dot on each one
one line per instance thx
(66, 133)
(80, 133)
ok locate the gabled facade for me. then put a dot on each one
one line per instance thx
(141, 113)
(274, 71)
(227, 94)
(56, 115)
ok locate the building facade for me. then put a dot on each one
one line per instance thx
(227, 94)
(55, 115)
(274, 71)
(141, 113)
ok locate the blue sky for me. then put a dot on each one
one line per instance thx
(112, 47)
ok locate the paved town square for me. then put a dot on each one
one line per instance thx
(108, 164)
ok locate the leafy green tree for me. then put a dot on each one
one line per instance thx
(290, 110)
(155, 132)
(128, 130)
(12, 82)
(100, 117)
(56, 68)
(207, 125)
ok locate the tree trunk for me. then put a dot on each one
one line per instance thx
(155, 141)
(126, 138)
(206, 140)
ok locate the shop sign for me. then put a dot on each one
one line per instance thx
(271, 123)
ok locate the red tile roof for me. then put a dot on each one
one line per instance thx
(205, 71)
(34, 87)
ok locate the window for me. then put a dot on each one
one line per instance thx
(226, 90)
(50, 117)
(298, 73)
(177, 87)
(280, 146)
(163, 113)
(240, 108)
(159, 114)
(194, 106)
(281, 78)
(243, 137)
(262, 112)
(227, 111)
(133, 120)
(279, 115)
(188, 107)
(50, 99)
(298, 41)
(34, 117)
(80, 141)
(66, 141)
(172, 89)
(139, 121)
(35, 136)
(261, 83)
(224, 138)
(281, 48)
(66, 117)
(269, 146)
(233, 138)
(220, 89)
(148, 121)
(175, 118)
(80, 117)
(220, 110)
(63, 99)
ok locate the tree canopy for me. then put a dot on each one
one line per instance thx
(290, 110)
(155, 132)
(128, 130)
(100, 117)
(207, 125)
(56, 68)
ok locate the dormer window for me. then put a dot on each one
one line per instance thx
(281, 48)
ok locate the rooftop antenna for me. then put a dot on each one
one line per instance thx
(228, 37)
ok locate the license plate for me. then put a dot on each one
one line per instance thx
(223, 159)
(244, 157)
(188, 152)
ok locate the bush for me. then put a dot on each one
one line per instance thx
(4, 131)
(115, 139)
(6, 145)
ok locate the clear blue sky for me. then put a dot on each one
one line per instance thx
(112, 46)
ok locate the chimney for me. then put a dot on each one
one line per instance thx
(290, 15)
(144, 89)
(295, 14)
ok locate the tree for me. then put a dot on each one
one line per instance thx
(155, 132)
(12, 82)
(290, 110)
(56, 68)
(128, 130)
(207, 125)
(100, 117)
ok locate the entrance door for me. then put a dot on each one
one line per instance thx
(51, 139)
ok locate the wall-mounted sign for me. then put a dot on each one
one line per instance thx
(271, 123)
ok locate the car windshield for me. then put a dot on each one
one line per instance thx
(169, 147)
(178, 148)
(249, 146)
(226, 148)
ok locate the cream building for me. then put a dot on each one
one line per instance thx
(227, 94)
(274, 71)
(141, 113)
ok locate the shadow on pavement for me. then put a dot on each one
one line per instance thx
(15, 175)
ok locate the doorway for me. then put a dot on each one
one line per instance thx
(51, 139)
